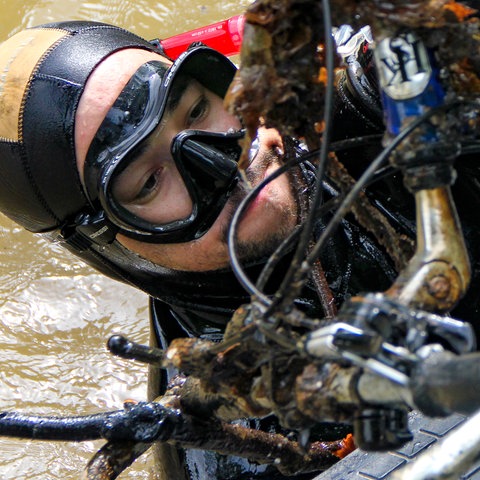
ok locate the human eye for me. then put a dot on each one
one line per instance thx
(137, 184)
(148, 186)
(198, 111)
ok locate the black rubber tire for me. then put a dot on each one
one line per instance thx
(361, 465)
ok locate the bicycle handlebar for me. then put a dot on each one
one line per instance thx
(445, 383)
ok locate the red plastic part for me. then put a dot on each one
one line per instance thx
(225, 36)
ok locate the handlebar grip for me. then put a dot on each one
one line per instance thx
(445, 383)
(124, 348)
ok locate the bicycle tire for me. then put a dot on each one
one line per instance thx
(362, 465)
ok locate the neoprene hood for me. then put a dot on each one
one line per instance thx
(43, 71)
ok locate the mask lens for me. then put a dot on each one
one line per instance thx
(133, 116)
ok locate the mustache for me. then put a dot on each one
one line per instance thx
(253, 175)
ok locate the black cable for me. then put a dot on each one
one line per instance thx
(348, 143)
(287, 283)
(139, 422)
(232, 233)
(275, 257)
(237, 268)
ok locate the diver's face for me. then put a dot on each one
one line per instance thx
(152, 187)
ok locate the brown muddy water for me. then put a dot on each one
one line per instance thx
(55, 313)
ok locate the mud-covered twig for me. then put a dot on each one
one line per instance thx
(112, 459)
(228, 439)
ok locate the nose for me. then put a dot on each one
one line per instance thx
(270, 139)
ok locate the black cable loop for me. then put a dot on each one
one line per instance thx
(232, 233)
(237, 268)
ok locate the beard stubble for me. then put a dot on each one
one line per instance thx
(261, 246)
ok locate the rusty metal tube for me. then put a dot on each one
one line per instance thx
(438, 274)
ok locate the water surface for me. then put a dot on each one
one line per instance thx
(55, 313)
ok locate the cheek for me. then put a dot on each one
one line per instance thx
(202, 255)
(176, 200)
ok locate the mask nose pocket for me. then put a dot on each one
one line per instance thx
(207, 160)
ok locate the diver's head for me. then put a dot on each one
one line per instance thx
(90, 114)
